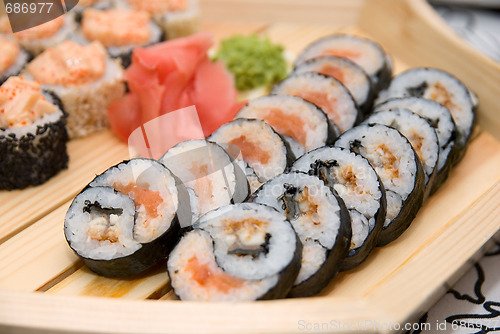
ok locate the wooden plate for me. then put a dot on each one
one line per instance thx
(44, 287)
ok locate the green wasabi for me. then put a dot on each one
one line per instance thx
(254, 61)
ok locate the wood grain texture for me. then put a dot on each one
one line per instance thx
(393, 285)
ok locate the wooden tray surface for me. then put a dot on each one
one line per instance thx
(44, 287)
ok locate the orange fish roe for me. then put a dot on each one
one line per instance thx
(69, 64)
(21, 103)
(45, 30)
(9, 54)
(159, 6)
(116, 27)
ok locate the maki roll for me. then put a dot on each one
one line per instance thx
(261, 147)
(321, 221)
(325, 92)
(120, 31)
(125, 221)
(13, 58)
(364, 52)
(47, 35)
(352, 178)
(302, 124)
(440, 119)
(33, 135)
(352, 76)
(84, 79)
(208, 170)
(239, 252)
(420, 134)
(83, 5)
(399, 168)
(177, 18)
(442, 87)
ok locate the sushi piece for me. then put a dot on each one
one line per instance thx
(440, 119)
(442, 87)
(366, 53)
(239, 252)
(399, 168)
(83, 5)
(325, 92)
(33, 135)
(352, 178)
(84, 79)
(420, 134)
(47, 35)
(13, 58)
(177, 18)
(299, 122)
(119, 30)
(351, 75)
(126, 220)
(261, 147)
(321, 221)
(209, 171)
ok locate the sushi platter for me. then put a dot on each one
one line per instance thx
(45, 287)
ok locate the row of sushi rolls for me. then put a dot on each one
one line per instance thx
(303, 183)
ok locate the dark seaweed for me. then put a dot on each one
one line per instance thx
(97, 208)
(418, 91)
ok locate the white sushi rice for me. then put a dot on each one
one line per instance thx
(353, 76)
(249, 226)
(368, 54)
(150, 175)
(355, 182)
(197, 247)
(260, 135)
(97, 236)
(417, 130)
(318, 221)
(389, 153)
(437, 115)
(295, 110)
(339, 106)
(206, 168)
(438, 86)
(18, 64)
(313, 257)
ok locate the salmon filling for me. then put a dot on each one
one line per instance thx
(212, 278)
(332, 71)
(116, 27)
(159, 6)
(250, 151)
(45, 30)
(323, 101)
(21, 103)
(69, 64)
(287, 124)
(149, 199)
(203, 186)
(9, 54)
(343, 53)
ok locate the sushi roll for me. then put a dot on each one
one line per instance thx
(119, 30)
(177, 18)
(33, 135)
(261, 147)
(83, 5)
(209, 171)
(299, 122)
(325, 92)
(239, 252)
(125, 221)
(84, 79)
(47, 35)
(440, 119)
(442, 87)
(420, 134)
(321, 221)
(399, 168)
(352, 76)
(13, 58)
(352, 178)
(366, 53)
